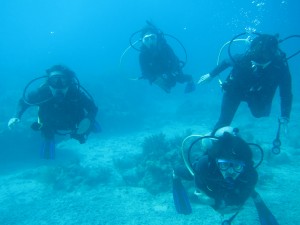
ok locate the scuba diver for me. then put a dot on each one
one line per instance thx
(254, 79)
(158, 62)
(63, 106)
(224, 174)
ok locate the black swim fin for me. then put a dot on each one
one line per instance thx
(180, 197)
(265, 215)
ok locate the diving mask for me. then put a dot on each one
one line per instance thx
(149, 40)
(59, 81)
(224, 165)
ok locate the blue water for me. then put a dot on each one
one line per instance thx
(90, 36)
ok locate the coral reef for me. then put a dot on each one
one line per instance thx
(153, 169)
(71, 176)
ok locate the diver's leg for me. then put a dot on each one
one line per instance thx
(230, 104)
(47, 150)
(260, 108)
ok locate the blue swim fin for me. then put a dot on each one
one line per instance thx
(180, 197)
(47, 150)
(265, 215)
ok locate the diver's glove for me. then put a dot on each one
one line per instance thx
(204, 79)
(13, 122)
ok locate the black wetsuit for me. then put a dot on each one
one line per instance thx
(161, 62)
(59, 113)
(209, 180)
(254, 85)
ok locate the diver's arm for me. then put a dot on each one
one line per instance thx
(88, 121)
(21, 108)
(90, 106)
(220, 68)
(247, 187)
(201, 169)
(34, 96)
(145, 68)
(216, 71)
(285, 90)
(170, 57)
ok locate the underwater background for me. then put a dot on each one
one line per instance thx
(123, 174)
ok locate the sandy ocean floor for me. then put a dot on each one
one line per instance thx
(29, 196)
